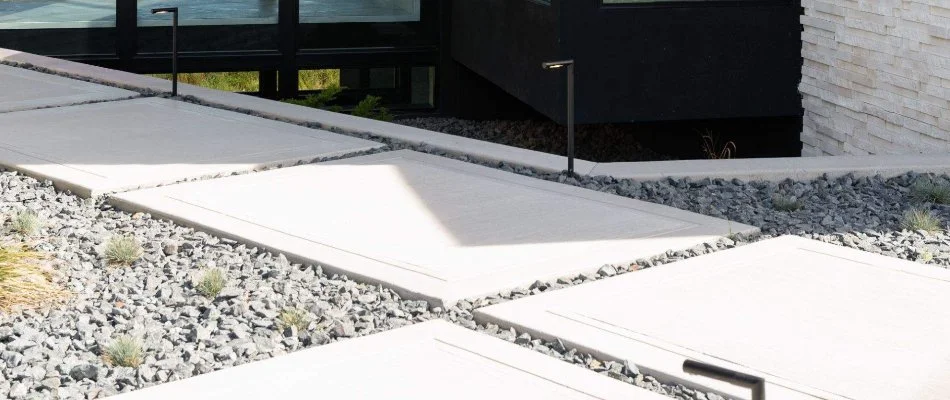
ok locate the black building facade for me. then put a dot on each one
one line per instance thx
(636, 60)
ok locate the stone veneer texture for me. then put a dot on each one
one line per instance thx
(875, 77)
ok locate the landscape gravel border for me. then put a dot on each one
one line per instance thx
(862, 213)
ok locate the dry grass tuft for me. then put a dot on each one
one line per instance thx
(921, 220)
(716, 151)
(25, 280)
(293, 317)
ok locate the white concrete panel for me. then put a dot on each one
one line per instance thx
(104, 147)
(815, 320)
(429, 361)
(24, 89)
(432, 227)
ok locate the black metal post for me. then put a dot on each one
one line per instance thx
(174, 12)
(288, 19)
(570, 106)
(126, 25)
(756, 384)
(570, 117)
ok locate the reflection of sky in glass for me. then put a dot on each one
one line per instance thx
(27, 14)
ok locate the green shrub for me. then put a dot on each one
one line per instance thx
(122, 250)
(786, 203)
(321, 99)
(26, 223)
(928, 191)
(126, 351)
(923, 220)
(371, 107)
(211, 282)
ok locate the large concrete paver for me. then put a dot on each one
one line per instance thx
(24, 89)
(112, 146)
(815, 320)
(428, 226)
(429, 361)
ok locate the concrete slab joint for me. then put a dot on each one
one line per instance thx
(815, 320)
(428, 361)
(433, 228)
(775, 169)
(94, 149)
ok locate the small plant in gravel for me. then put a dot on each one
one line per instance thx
(293, 317)
(925, 256)
(211, 282)
(786, 203)
(125, 351)
(26, 223)
(920, 220)
(122, 250)
(716, 151)
(928, 191)
(25, 281)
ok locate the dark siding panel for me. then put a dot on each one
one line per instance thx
(638, 63)
(505, 41)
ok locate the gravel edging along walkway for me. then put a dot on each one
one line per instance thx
(61, 352)
(863, 213)
(185, 334)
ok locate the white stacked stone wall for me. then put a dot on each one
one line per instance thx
(876, 77)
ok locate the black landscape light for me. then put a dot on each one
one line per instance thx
(756, 384)
(570, 106)
(174, 12)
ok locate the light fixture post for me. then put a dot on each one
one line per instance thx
(174, 12)
(569, 66)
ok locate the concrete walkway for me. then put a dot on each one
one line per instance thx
(815, 320)
(432, 227)
(24, 89)
(93, 149)
(429, 361)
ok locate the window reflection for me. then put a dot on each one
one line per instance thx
(333, 11)
(44, 14)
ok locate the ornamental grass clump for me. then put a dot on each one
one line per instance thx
(293, 317)
(928, 191)
(26, 223)
(125, 351)
(786, 203)
(122, 250)
(25, 281)
(920, 220)
(211, 282)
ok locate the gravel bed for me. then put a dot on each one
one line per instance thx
(862, 213)
(603, 143)
(58, 352)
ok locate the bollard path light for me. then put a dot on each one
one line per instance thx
(569, 64)
(174, 12)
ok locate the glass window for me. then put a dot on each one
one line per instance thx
(210, 12)
(318, 79)
(54, 27)
(57, 14)
(335, 11)
(423, 86)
